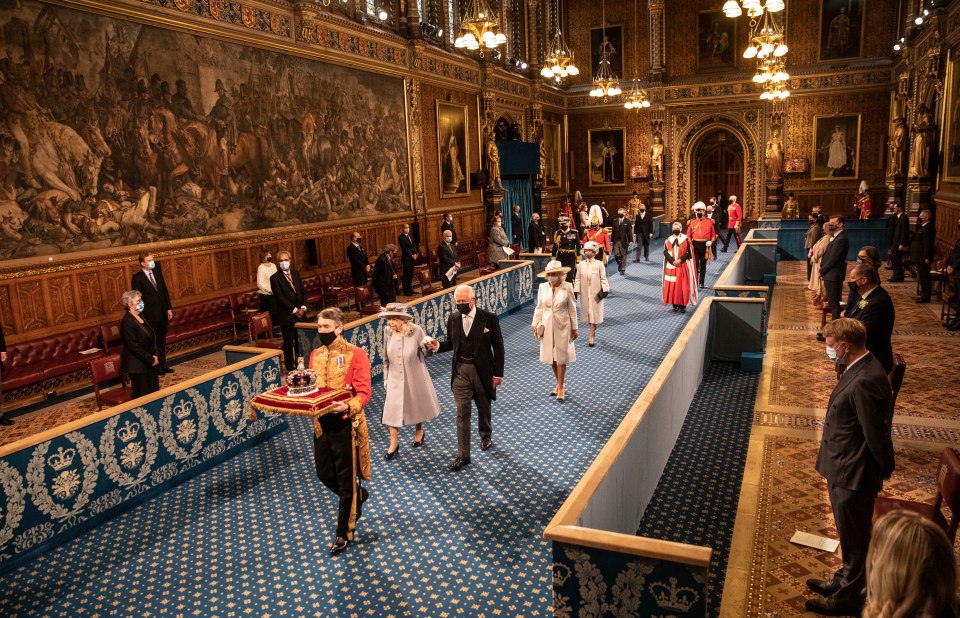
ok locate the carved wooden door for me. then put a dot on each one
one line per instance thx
(719, 165)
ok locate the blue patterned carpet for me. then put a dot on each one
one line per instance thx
(696, 499)
(250, 536)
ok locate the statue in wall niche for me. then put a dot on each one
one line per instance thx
(896, 147)
(923, 129)
(775, 157)
(493, 164)
(656, 158)
(543, 159)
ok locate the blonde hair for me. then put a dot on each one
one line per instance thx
(911, 569)
(848, 330)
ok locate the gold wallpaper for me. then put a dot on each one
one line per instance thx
(637, 145)
(587, 15)
(682, 37)
(803, 30)
(429, 95)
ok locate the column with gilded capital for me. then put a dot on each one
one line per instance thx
(416, 146)
(657, 39)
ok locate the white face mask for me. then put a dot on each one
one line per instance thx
(588, 254)
(285, 265)
(553, 279)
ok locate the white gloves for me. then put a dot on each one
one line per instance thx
(709, 243)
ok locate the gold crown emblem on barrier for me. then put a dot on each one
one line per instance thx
(183, 410)
(128, 432)
(230, 390)
(672, 597)
(62, 459)
(271, 374)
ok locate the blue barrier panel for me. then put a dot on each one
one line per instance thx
(870, 232)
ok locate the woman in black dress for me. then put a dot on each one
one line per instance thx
(139, 357)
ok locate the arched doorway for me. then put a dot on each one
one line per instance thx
(718, 161)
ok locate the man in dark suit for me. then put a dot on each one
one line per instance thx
(622, 236)
(157, 310)
(953, 270)
(643, 229)
(516, 226)
(291, 306)
(448, 225)
(408, 254)
(875, 310)
(856, 454)
(447, 255)
(476, 341)
(385, 276)
(899, 240)
(833, 267)
(3, 358)
(921, 254)
(358, 259)
(536, 237)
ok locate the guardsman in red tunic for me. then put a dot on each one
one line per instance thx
(341, 443)
(734, 222)
(701, 232)
(597, 234)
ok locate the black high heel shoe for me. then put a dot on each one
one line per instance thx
(418, 443)
(391, 454)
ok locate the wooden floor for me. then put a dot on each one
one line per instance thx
(782, 491)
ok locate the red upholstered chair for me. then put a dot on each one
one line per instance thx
(261, 330)
(516, 252)
(426, 285)
(485, 267)
(364, 294)
(336, 290)
(243, 307)
(948, 490)
(107, 369)
(110, 335)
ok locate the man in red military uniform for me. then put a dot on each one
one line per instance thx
(701, 232)
(679, 271)
(734, 222)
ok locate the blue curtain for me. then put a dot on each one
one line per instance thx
(517, 191)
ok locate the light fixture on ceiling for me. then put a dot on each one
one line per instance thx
(382, 14)
(479, 26)
(637, 98)
(517, 63)
(605, 83)
(559, 61)
(768, 44)
(430, 30)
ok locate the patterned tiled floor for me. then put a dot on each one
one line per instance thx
(249, 537)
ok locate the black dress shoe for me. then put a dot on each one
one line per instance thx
(823, 587)
(458, 463)
(896, 280)
(923, 301)
(391, 454)
(167, 369)
(485, 444)
(419, 443)
(952, 328)
(831, 607)
(820, 337)
(338, 546)
(5, 421)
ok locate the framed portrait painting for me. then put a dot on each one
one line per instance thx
(836, 147)
(716, 34)
(453, 152)
(607, 40)
(841, 29)
(554, 148)
(951, 122)
(606, 148)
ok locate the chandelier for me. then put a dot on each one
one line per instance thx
(559, 62)
(479, 26)
(767, 44)
(637, 97)
(606, 83)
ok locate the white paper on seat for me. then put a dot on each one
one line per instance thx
(817, 542)
(90, 351)
(508, 251)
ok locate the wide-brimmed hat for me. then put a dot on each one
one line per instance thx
(554, 267)
(395, 310)
(592, 246)
(699, 206)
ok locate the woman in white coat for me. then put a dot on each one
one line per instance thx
(555, 323)
(591, 284)
(410, 396)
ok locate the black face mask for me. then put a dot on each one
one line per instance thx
(327, 338)
(565, 227)
(699, 214)
(359, 240)
(463, 308)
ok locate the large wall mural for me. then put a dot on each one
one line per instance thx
(116, 133)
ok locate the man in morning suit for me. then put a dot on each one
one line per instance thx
(899, 240)
(536, 237)
(447, 255)
(643, 229)
(358, 259)
(921, 254)
(291, 305)
(622, 236)
(875, 310)
(3, 358)
(408, 254)
(448, 225)
(833, 266)
(856, 455)
(157, 308)
(516, 226)
(476, 341)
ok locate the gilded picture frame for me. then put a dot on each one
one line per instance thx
(951, 122)
(553, 145)
(453, 151)
(841, 29)
(606, 148)
(716, 39)
(613, 45)
(836, 147)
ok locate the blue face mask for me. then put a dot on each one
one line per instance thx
(151, 264)
(832, 355)
(139, 306)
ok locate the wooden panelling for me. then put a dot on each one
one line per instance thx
(203, 270)
(30, 300)
(62, 303)
(89, 293)
(221, 261)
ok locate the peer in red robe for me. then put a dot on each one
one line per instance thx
(679, 270)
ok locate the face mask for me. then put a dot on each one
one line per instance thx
(709, 212)
(139, 306)
(269, 258)
(359, 240)
(327, 338)
(643, 210)
(553, 279)
(565, 227)
(463, 308)
(621, 215)
(285, 265)
(594, 226)
(832, 355)
(448, 240)
(676, 230)
(151, 264)
(588, 254)
(699, 214)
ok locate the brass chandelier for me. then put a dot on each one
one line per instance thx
(479, 26)
(559, 62)
(606, 83)
(767, 44)
(637, 97)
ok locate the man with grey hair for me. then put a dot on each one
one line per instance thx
(447, 256)
(291, 302)
(474, 337)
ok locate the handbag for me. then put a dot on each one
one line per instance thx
(601, 295)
